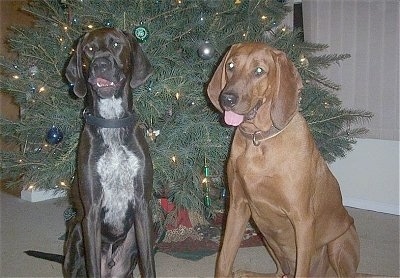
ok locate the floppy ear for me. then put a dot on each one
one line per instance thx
(218, 82)
(74, 72)
(285, 98)
(142, 68)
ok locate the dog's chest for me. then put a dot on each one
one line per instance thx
(117, 168)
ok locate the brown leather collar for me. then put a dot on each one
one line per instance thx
(260, 135)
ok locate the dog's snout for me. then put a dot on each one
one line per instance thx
(228, 99)
(101, 65)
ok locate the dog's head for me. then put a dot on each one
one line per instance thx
(106, 60)
(253, 74)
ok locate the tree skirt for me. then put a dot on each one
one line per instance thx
(192, 249)
(194, 243)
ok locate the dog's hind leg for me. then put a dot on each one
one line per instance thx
(74, 261)
(344, 253)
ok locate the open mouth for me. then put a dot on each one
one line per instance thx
(234, 119)
(101, 83)
(104, 87)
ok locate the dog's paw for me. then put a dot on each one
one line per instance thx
(243, 273)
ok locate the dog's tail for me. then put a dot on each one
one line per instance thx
(46, 256)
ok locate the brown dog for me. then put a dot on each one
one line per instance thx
(276, 174)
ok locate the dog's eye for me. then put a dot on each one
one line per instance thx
(231, 65)
(116, 44)
(259, 71)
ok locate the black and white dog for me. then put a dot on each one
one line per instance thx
(113, 226)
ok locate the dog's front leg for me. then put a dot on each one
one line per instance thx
(144, 235)
(92, 240)
(238, 217)
(305, 245)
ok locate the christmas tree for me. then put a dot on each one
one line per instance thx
(184, 40)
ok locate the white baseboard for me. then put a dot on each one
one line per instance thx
(371, 205)
(40, 195)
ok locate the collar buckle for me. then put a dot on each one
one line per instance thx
(256, 142)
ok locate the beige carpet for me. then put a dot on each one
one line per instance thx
(38, 226)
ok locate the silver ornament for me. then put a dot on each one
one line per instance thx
(206, 50)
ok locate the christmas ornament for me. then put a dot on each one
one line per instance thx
(223, 193)
(74, 21)
(32, 89)
(63, 4)
(303, 60)
(206, 50)
(109, 23)
(152, 134)
(141, 33)
(54, 135)
(206, 186)
(33, 70)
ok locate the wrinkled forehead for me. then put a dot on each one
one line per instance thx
(106, 36)
(251, 54)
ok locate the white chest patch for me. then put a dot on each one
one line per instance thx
(117, 168)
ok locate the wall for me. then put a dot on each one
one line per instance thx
(10, 14)
(369, 31)
(369, 175)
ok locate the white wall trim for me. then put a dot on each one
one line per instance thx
(371, 205)
(40, 195)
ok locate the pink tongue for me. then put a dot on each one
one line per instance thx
(231, 118)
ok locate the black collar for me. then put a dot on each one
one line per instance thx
(108, 123)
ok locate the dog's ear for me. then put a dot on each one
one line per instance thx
(142, 68)
(288, 86)
(218, 82)
(74, 72)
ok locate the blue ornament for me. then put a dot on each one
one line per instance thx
(109, 23)
(74, 21)
(54, 135)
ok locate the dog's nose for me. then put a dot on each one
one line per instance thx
(228, 99)
(101, 65)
